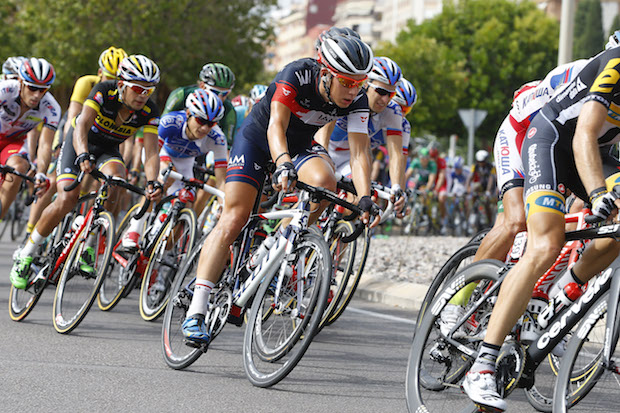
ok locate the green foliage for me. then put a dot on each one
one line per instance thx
(180, 36)
(473, 55)
(588, 37)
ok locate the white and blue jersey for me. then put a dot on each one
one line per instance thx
(387, 123)
(181, 151)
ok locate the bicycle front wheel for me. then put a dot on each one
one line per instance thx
(169, 253)
(582, 372)
(177, 354)
(83, 273)
(121, 268)
(286, 313)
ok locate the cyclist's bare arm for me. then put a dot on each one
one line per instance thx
(585, 145)
(276, 135)
(359, 144)
(397, 159)
(44, 151)
(80, 137)
(74, 109)
(220, 179)
(322, 136)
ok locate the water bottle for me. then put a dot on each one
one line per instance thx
(161, 217)
(530, 328)
(563, 298)
(260, 253)
(211, 219)
(77, 223)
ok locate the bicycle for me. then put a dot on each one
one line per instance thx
(17, 215)
(438, 363)
(285, 286)
(57, 262)
(169, 237)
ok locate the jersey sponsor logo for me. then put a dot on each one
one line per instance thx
(257, 166)
(504, 151)
(305, 103)
(286, 92)
(562, 188)
(534, 168)
(531, 132)
(237, 161)
(550, 201)
(303, 77)
(363, 118)
(571, 90)
(606, 80)
(152, 121)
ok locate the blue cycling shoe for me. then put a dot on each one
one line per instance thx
(195, 330)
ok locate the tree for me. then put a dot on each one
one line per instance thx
(588, 35)
(493, 45)
(179, 36)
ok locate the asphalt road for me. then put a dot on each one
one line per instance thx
(112, 362)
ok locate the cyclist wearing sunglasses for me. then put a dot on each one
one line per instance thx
(25, 104)
(406, 96)
(112, 113)
(305, 95)
(186, 135)
(108, 65)
(384, 128)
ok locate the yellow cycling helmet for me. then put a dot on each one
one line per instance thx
(110, 59)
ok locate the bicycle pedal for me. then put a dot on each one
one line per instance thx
(200, 346)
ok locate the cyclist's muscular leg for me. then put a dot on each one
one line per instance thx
(10, 187)
(54, 212)
(508, 224)
(545, 240)
(598, 255)
(318, 172)
(240, 199)
(115, 168)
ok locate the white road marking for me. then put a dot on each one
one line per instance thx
(381, 315)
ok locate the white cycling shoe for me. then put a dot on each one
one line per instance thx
(481, 388)
(449, 316)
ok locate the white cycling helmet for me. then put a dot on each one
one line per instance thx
(137, 67)
(347, 55)
(614, 40)
(385, 70)
(481, 155)
(205, 104)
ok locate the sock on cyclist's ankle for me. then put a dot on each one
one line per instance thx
(200, 301)
(34, 240)
(136, 225)
(485, 362)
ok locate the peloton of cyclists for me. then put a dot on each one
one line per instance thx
(305, 95)
(111, 114)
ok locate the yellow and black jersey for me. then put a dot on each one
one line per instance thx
(83, 87)
(599, 81)
(105, 100)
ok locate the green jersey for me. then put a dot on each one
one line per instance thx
(228, 124)
(421, 172)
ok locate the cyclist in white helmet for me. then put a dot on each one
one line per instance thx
(112, 113)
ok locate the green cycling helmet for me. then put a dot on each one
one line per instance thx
(423, 152)
(218, 75)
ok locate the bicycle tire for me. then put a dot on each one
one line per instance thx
(439, 391)
(177, 354)
(83, 289)
(581, 371)
(21, 302)
(20, 214)
(359, 263)
(163, 264)
(456, 262)
(343, 256)
(312, 253)
(118, 277)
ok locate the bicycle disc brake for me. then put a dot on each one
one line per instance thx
(509, 366)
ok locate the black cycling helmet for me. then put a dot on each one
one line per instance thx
(335, 31)
(348, 55)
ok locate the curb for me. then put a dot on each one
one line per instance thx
(401, 294)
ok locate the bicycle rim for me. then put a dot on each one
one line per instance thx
(119, 271)
(170, 251)
(177, 354)
(280, 330)
(76, 290)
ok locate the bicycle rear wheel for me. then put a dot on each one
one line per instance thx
(359, 263)
(120, 269)
(177, 354)
(77, 289)
(283, 321)
(582, 372)
(436, 365)
(20, 213)
(169, 253)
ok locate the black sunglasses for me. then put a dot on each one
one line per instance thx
(383, 92)
(203, 122)
(37, 89)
